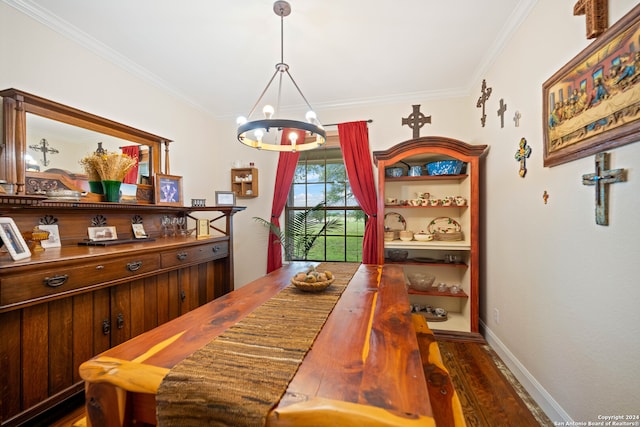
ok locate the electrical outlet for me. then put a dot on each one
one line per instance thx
(496, 315)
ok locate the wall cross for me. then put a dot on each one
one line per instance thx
(486, 93)
(501, 111)
(523, 153)
(597, 15)
(44, 148)
(600, 179)
(416, 120)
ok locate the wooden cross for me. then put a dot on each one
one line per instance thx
(486, 93)
(600, 179)
(416, 120)
(597, 14)
(44, 147)
(524, 151)
(501, 111)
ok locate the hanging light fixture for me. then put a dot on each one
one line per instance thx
(266, 133)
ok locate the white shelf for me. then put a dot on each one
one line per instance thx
(454, 322)
(434, 245)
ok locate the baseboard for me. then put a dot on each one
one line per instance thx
(546, 402)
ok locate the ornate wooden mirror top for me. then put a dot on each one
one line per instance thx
(43, 142)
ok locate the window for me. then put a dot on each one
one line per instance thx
(322, 216)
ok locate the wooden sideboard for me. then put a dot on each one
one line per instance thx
(64, 305)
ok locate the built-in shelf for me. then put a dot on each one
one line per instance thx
(244, 182)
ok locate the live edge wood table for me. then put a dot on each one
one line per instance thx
(364, 367)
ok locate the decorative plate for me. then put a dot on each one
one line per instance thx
(394, 221)
(443, 224)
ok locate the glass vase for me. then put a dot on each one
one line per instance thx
(111, 190)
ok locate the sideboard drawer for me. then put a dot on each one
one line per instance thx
(23, 287)
(195, 254)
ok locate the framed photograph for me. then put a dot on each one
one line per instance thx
(592, 104)
(138, 231)
(13, 241)
(225, 198)
(54, 236)
(202, 228)
(168, 189)
(98, 234)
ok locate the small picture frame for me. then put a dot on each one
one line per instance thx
(168, 190)
(225, 198)
(202, 228)
(54, 236)
(13, 241)
(99, 234)
(138, 231)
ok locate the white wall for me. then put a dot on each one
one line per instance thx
(569, 322)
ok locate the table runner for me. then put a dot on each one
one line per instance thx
(238, 377)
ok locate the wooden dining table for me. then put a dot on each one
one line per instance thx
(363, 368)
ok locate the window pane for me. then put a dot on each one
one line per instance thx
(299, 195)
(335, 194)
(315, 194)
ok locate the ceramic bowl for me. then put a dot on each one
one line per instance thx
(406, 236)
(423, 237)
(394, 172)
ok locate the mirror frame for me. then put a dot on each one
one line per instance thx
(13, 147)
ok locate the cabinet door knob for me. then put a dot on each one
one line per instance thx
(56, 281)
(182, 256)
(134, 266)
(120, 321)
(106, 327)
(216, 248)
(183, 295)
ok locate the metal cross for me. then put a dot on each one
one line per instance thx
(486, 93)
(501, 110)
(416, 120)
(44, 147)
(600, 179)
(521, 155)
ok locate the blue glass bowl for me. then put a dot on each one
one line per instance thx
(394, 172)
(445, 167)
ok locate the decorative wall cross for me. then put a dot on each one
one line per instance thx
(486, 93)
(600, 179)
(416, 120)
(501, 111)
(44, 148)
(597, 14)
(516, 118)
(523, 153)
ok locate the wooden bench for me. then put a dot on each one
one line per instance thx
(446, 407)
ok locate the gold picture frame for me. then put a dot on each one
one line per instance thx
(592, 104)
(168, 190)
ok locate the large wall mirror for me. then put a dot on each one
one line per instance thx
(44, 141)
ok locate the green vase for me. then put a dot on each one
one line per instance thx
(96, 187)
(111, 190)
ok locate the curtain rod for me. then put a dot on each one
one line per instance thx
(336, 124)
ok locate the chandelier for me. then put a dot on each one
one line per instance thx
(266, 133)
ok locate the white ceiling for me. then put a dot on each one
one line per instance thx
(220, 54)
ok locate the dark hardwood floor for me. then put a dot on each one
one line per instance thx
(489, 394)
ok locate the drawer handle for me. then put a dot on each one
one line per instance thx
(56, 281)
(134, 266)
(182, 256)
(106, 327)
(216, 248)
(120, 321)
(183, 295)
(99, 267)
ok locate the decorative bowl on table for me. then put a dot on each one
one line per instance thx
(421, 281)
(312, 280)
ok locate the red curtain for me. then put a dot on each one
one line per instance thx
(132, 151)
(284, 177)
(354, 141)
